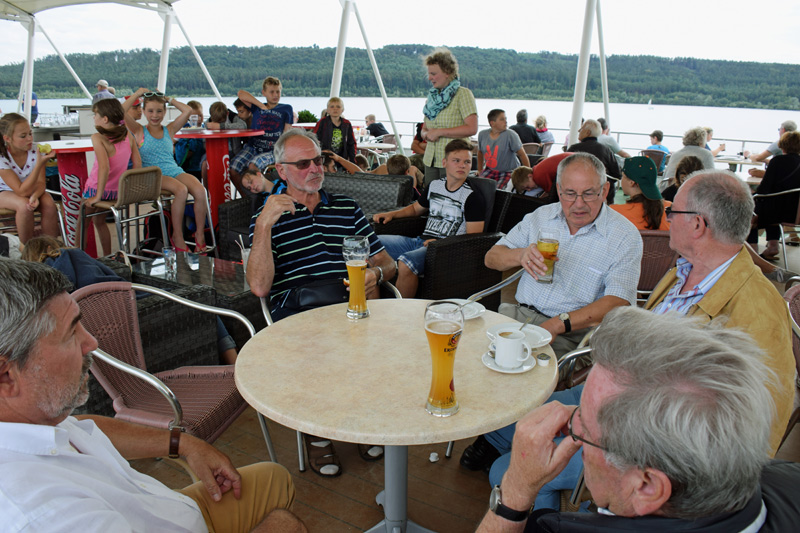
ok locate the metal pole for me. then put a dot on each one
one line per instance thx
(29, 69)
(199, 59)
(603, 70)
(583, 71)
(338, 62)
(164, 64)
(66, 64)
(378, 78)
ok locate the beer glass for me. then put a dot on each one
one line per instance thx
(444, 322)
(355, 251)
(548, 247)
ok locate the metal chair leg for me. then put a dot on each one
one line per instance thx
(449, 452)
(270, 448)
(301, 452)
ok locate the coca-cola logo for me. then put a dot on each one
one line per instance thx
(227, 186)
(71, 200)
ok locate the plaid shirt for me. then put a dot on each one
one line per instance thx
(461, 106)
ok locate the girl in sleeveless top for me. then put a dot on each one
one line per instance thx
(157, 150)
(114, 148)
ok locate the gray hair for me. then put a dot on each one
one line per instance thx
(590, 162)
(280, 147)
(789, 125)
(695, 137)
(522, 115)
(592, 127)
(694, 405)
(724, 201)
(25, 291)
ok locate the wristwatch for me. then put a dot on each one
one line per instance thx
(564, 317)
(497, 507)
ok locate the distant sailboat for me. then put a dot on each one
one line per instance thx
(650, 104)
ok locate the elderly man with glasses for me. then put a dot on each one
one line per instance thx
(599, 258)
(674, 428)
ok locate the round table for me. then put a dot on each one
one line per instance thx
(220, 188)
(367, 381)
(734, 162)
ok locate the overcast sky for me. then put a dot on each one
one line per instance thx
(768, 30)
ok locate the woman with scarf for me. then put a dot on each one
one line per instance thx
(450, 112)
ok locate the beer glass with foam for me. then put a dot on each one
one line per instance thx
(548, 247)
(355, 251)
(444, 322)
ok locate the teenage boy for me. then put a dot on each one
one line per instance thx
(335, 133)
(499, 150)
(656, 138)
(453, 208)
(273, 117)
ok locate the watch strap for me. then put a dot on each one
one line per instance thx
(175, 442)
(503, 511)
(567, 324)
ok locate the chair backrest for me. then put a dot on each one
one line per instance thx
(657, 258)
(656, 155)
(372, 192)
(108, 312)
(139, 185)
(519, 205)
(487, 188)
(545, 151)
(531, 148)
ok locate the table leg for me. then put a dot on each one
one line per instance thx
(219, 183)
(73, 173)
(394, 498)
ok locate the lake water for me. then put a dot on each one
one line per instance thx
(632, 121)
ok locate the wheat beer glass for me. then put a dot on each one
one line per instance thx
(548, 247)
(444, 322)
(355, 250)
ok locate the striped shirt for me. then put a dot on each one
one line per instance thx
(681, 303)
(603, 258)
(307, 246)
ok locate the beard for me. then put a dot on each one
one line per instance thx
(57, 402)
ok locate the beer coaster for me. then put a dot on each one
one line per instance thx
(526, 365)
(471, 310)
(535, 335)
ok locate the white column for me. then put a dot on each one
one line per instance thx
(583, 71)
(338, 62)
(164, 64)
(603, 70)
(29, 68)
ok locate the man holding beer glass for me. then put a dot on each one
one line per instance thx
(296, 258)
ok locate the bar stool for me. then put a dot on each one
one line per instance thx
(8, 219)
(139, 186)
(167, 196)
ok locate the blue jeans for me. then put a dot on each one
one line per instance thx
(410, 250)
(548, 497)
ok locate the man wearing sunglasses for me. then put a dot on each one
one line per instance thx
(673, 427)
(715, 276)
(298, 234)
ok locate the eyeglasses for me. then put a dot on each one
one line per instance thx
(669, 212)
(304, 163)
(587, 196)
(153, 93)
(578, 437)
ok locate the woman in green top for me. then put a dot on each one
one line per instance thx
(450, 111)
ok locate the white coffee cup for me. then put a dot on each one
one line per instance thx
(510, 348)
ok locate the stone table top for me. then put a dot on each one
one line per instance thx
(368, 380)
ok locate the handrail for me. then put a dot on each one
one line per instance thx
(781, 193)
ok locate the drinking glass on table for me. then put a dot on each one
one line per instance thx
(355, 250)
(194, 120)
(547, 244)
(444, 322)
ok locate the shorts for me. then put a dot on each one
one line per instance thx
(501, 178)
(91, 192)
(410, 250)
(248, 155)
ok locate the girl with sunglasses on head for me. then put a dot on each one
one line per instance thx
(157, 150)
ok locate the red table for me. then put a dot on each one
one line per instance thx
(73, 172)
(219, 185)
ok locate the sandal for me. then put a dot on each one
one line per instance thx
(769, 257)
(368, 452)
(322, 456)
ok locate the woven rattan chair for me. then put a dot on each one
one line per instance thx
(207, 395)
(657, 259)
(792, 297)
(531, 148)
(139, 186)
(656, 155)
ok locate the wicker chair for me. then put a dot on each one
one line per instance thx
(140, 186)
(656, 155)
(792, 297)
(207, 395)
(657, 259)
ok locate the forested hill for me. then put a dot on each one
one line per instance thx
(490, 73)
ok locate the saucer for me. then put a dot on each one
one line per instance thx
(526, 365)
(471, 310)
(536, 336)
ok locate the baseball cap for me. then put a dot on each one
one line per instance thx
(102, 83)
(137, 102)
(643, 171)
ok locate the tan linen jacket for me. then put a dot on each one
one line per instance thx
(753, 305)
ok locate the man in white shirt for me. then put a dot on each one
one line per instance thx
(60, 473)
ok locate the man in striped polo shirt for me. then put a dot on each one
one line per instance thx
(298, 234)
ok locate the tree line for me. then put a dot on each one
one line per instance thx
(489, 73)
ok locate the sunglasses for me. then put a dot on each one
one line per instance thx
(304, 163)
(153, 93)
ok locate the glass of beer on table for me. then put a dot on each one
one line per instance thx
(355, 250)
(547, 244)
(444, 323)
